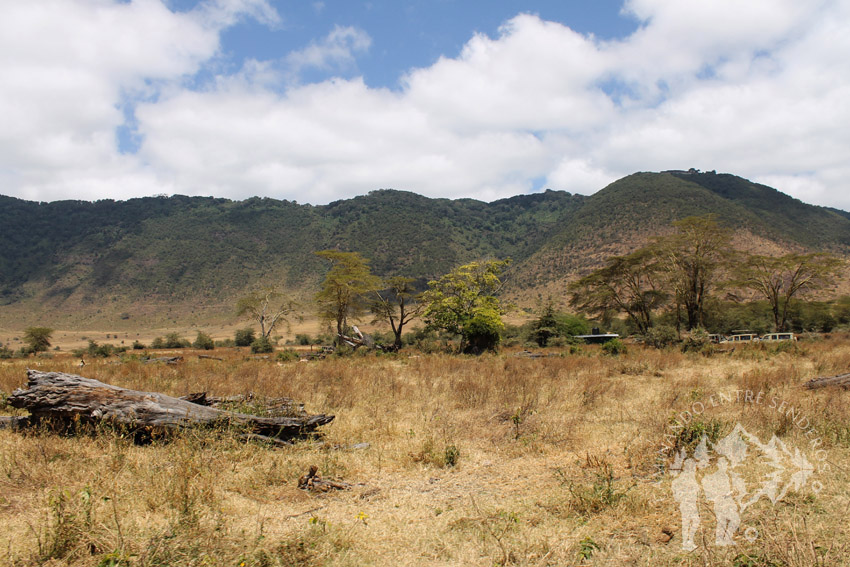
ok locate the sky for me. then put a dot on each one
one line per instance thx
(315, 101)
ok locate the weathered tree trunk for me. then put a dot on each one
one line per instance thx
(840, 381)
(62, 398)
(270, 406)
(360, 340)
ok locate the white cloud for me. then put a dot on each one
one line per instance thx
(68, 65)
(220, 14)
(335, 52)
(758, 89)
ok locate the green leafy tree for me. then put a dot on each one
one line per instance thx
(262, 345)
(203, 341)
(552, 324)
(268, 307)
(100, 351)
(463, 302)
(781, 279)
(693, 258)
(38, 338)
(174, 340)
(397, 304)
(342, 296)
(244, 337)
(629, 284)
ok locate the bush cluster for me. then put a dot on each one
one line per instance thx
(171, 340)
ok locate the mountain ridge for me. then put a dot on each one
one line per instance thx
(200, 253)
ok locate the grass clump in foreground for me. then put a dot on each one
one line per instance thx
(454, 472)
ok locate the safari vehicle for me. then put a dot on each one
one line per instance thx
(779, 337)
(742, 338)
(714, 338)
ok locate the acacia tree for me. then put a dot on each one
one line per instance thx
(463, 302)
(398, 304)
(344, 290)
(780, 279)
(38, 338)
(693, 257)
(268, 307)
(552, 324)
(626, 284)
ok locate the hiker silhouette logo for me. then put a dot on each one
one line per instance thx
(729, 476)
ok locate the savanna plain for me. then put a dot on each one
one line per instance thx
(501, 459)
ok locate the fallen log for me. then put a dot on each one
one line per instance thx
(361, 340)
(68, 399)
(165, 359)
(269, 406)
(840, 381)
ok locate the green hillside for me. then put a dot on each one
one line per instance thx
(184, 249)
(783, 216)
(626, 214)
(203, 252)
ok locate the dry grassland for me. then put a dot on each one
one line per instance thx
(495, 460)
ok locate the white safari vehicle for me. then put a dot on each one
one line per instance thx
(742, 338)
(779, 337)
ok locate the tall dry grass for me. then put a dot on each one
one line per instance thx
(471, 461)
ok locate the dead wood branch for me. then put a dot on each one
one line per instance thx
(840, 381)
(361, 340)
(269, 406)
(68, 399)
(315, 483)
(164, 359)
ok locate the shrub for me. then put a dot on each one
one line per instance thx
(614, 347)
(586, 548)
(174, 340)
(38, 338)
(601, 494)
(451, 455)
(157, 343)
(553, 325)
(661, 336)
(698, 341)
(483, 331)
(203, 341)
(302, 339)
(428, 340)
(5, 352)
(244, 337)
(99, 351)
(262, 345)
(288, 355)
(432, 454)
(138, 345)
(690, 434)
(383, 339)
(324, 339)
